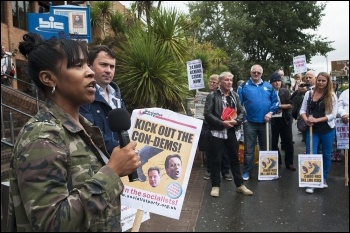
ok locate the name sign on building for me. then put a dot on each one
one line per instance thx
(48, 25)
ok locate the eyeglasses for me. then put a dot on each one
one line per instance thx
(256, 72)
(212, 82)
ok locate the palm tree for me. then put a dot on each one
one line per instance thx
(145, 7)
(148, 76)
(171, 29)
(100, 14)
(117, 22)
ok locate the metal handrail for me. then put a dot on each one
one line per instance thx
(9, 76)
(31, 85)
(3, 138)
(2, 122)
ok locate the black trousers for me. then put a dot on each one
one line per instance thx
(5, 80)
(204, 140)
(280, 128)
(218, 147)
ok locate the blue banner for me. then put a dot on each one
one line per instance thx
(48, 25)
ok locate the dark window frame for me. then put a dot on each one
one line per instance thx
(3, 12)
(20, 10)
(43, 8)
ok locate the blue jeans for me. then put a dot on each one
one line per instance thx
(326, 139)
(252, 133)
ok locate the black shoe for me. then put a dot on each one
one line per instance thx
(207, 176)
(291, 167)
(227, 177)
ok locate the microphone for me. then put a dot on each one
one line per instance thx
(119, 122)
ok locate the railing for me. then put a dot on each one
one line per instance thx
(11, 128)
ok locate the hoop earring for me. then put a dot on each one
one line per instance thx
(53, 90)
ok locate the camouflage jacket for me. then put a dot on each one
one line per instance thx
(58, 178)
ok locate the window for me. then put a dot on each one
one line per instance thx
(3, 20)
(43, 8)
(19, 13)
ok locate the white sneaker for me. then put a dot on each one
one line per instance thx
(309, 190)
(215, 191)
(325, 185)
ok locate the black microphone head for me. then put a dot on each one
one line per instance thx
(119, 119)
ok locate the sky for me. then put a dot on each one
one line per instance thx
(334, 26)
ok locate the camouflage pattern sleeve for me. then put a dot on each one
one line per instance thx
(58, 183)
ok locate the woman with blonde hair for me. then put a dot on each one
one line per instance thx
(323, 111)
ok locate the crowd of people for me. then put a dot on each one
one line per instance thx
(66, 169)
(270, 102)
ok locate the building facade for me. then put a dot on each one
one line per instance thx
(14, 24)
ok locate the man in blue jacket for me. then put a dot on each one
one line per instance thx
(260, 101)
(107, 96)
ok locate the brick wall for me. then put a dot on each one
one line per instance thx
(23, 103)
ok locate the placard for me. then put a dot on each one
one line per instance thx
(299, 63)
(342, 134)
(167, 143)
(268, 165)
(195, 74)
(199, 104)
(310, 170)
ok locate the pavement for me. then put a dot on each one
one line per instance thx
(276, 206)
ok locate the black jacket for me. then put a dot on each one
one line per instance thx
(213, 109)
(284, 96)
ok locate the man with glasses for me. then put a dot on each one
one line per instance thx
(260, 101)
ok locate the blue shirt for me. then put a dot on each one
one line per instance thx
(111, 96)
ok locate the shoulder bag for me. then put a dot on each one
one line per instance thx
(301, 125)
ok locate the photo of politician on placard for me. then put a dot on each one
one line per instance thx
(173, 166)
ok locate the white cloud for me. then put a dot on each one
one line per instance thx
(334, 26)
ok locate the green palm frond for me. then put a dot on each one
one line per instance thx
(170, 27)
(117, 22)
(149, 77)
(100, 13)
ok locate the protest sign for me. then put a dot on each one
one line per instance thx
(299, 63)
(310, 170)
(199, 104)
(195, 74)
(342, 133)
(160, 133)
(268, 165)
